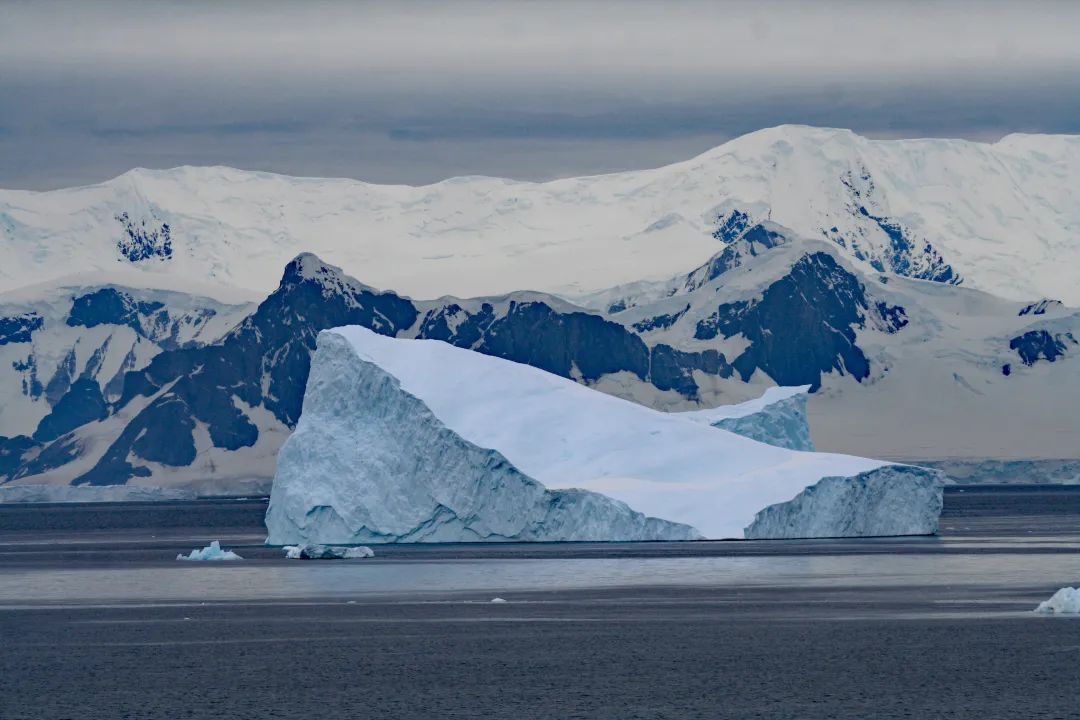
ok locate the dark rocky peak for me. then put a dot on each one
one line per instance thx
(803, 324)
(752, 241)
(1041, 307)
(19, 328)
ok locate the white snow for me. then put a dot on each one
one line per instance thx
(1065, 601)
(1003, 214)
(211, 552)
(326, 552)
(341, 473)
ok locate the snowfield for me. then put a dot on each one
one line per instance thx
(1000, 216)
(416, 440)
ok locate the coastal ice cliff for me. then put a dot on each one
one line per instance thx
(420, 441)
(778, 418)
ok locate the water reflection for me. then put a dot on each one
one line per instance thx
(282, 580)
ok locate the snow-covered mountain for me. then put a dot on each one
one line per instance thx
(64, 348)
(1002, 217)
(925, 291)
(899, 368)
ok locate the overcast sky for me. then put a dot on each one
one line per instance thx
(417, 92)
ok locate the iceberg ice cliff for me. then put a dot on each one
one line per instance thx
(778, 418)
(892, 500)
(419, 441)
(370, 463)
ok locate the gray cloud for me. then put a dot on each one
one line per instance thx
(421, 91)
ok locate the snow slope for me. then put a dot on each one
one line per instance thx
(1002, 217)
(900, 368)
(433, 436)
(79, 336)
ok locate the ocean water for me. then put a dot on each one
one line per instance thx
(98, 620)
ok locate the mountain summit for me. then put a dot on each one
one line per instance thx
(999, 217)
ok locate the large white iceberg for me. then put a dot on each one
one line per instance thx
(778, 418)
(419, 441)
(1065, 601)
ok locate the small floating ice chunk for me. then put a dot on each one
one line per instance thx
(1065, 601)
(212, 551)
(326, 552)
(497, 600)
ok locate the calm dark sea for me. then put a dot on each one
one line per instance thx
(98, 620)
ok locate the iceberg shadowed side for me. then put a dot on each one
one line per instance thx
(420, 441)
(778, 418)
(370, 463)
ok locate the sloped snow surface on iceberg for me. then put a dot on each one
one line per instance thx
(777, 418)
(371, 463)
(419, 441)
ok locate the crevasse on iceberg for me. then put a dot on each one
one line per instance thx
(778, 418)
(419, 441)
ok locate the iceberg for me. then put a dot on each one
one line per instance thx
(326, 552)
(1065, 601)
(777, 418)
(420, 441)
(212, 551)
(865, 505)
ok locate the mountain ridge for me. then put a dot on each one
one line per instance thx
(952, 210)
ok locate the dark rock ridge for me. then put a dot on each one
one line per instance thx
(906, 254)
(802, 324)
(150, 319)
(144, 241)
(1036, 345)
(19, 328)
(1041, 307)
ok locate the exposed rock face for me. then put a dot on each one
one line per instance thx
(891, 500)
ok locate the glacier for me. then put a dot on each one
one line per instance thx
(1065, 601)
(420, 441)
(211, 552)
(777, 418)
(43, 493)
